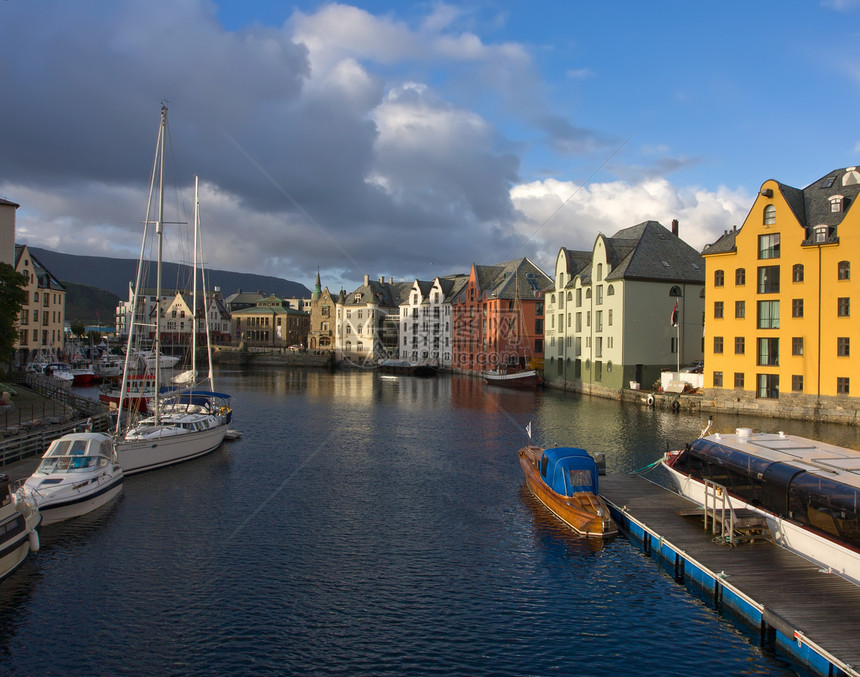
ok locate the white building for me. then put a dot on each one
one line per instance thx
(426, 324)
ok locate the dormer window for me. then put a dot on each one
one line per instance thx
(820, 234)
(836, 202)
(357, 298)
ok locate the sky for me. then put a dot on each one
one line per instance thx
(410, 140)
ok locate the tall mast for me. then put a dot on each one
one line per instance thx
(194, 287)
(159, 230)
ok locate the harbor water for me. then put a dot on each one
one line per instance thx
(370, 524)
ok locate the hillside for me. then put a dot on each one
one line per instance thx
(114, 276)
(89, 305)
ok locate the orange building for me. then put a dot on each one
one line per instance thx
(498, 317)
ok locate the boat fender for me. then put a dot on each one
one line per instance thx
(676, 405)
(34, 541)
(650, 400)
(89, 425)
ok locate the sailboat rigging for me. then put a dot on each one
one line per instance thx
(185, 422)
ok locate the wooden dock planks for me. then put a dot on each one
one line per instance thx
(822, 606)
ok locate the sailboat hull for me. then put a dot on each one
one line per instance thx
(137, 456)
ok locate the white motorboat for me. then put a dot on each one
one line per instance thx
(807, 492)
(182, 424)
(78, 473)
(19, 518)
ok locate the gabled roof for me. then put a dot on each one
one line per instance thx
(383, 294)
(44, 278)
(649, 251)
(519, 278)
(575, 262)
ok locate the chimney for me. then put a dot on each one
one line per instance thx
(366, 279)
(390, 280)
(381, 279)
(675, 227)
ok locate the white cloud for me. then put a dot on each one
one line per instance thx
(563, 214)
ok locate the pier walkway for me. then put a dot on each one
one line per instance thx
(807, 613)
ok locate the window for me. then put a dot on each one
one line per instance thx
(599, 295)
(835, 204)
(768, 246)
(610, 290)
(842, 383)
(768, 314)
(578, 297)
(797, 272)
(599, 272)
(740, 309)
(769, 215)
(768, 352)
(739, 380)
(768, 386)
(718, 344)
(843, 306)
(797, 307)
(797, 383)
(609, 318)
(844, 270)
(718, 379)
(843, 346)
(740, 277)
(740, 345)
(768, 279)
(718, 309)
(797, 345)
(719, 278)
(820, 234)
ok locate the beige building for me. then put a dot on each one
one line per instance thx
(322, 318)
(271, 323)
(7, 231)
(42, 318)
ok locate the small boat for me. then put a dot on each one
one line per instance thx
(806, 492)
(83, 374)
(512, 378)
(59, 371)
(109, 366)
(406, 368)
(186, 426)
(140, 390)
(19, 518)
(564, 479)
(78, 473)
(146, 359)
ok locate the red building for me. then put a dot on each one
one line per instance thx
(498, 317)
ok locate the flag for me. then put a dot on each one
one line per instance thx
(529, 429)
(675, 315)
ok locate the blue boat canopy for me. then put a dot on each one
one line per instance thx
(568, 470)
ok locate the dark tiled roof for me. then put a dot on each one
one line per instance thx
(45, 279)
(649, 251)
(508, 280)
(575, 262)
(725, 244)
(383, 294)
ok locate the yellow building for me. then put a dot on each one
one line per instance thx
(778, 291)
(42, 317)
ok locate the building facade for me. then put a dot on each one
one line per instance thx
(498, 317)
(322, 310)
(368, 319)
(42, 318)
(625, 311)
(426, 321)
(271, 323)
(779, 321)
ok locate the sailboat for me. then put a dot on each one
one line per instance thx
(187, 421)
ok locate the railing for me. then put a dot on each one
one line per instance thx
(717, 498)
(36, 441)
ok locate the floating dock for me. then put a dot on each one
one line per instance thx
(806, 613)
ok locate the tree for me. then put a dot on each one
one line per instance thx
(78, 329)
(13, 295)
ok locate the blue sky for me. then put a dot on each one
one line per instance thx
(412, 139)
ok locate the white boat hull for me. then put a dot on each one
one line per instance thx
(18, 542)
(141, 455)
(827, 554)
(69, 504)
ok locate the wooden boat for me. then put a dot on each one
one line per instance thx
(512, 378)
(806, 492)
(564, 479)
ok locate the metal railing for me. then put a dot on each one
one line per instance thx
(717, 499)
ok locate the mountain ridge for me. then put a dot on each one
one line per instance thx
(115, 275)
